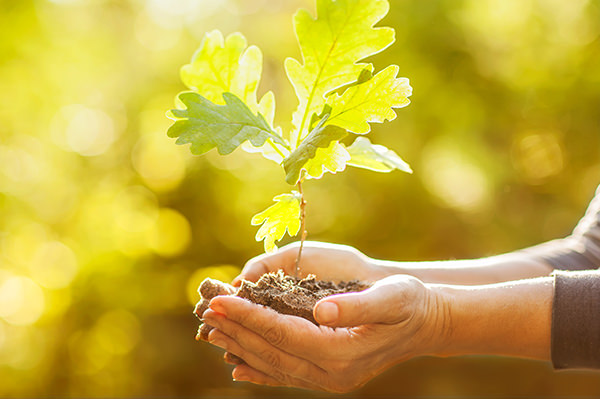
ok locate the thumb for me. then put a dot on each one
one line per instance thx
(386, 303)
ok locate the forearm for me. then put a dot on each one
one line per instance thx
(495, 269)
(508, 319)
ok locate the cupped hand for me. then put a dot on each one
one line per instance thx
(394, 320)
(326, 261)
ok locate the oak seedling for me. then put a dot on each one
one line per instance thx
(338, 95)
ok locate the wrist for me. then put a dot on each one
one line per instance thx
(428, 323)
(438, 330)
(506, 319)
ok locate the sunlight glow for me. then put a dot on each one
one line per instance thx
(538, 156)
(54, 265)
(21, 300)
(159, 162)
(117, 331)
(455, 180)
(86, 131)
(172, 233)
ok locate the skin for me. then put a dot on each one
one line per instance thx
(413, 309)
(341, 262)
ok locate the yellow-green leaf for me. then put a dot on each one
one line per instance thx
(331, 159)
(224, 65)
(320, 138)
(331, 45)
(370, 101)
(364, 154)
(283, 216)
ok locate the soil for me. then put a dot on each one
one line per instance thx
(285, 294)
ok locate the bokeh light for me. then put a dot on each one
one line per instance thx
(54, 265)
(107, 227)
(21, 300)
(538, 156)
(159, 163)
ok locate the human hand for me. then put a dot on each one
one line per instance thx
(394, 320)
(326, 261)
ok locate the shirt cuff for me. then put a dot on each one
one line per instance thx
(565, 254)
(576, 320)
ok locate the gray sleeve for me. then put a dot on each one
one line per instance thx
(576, 305)
(576, 320)
(580, 250)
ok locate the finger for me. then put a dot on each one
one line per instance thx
(265, 263)
(261, 355)
(248, 374)
(294, 335)
(253, 376)
(230, 358)
(389, 301)
(252, 271)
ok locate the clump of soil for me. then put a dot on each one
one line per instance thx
(285, 294)
(293, 296)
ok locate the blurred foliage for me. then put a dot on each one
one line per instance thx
(106, 226)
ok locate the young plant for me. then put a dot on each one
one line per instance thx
(337, 95)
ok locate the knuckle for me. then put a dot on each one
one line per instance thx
(271, 358)
(234, 334)
(354, 307)
(275, 336)
(279, 376)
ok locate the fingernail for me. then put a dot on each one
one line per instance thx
(239, 377)
(327, 312)
(217, 307)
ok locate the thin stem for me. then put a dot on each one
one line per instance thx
(302, 228)
(276, 149)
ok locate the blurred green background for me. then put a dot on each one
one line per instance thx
(106, 226)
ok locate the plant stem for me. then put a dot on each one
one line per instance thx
(302, 228)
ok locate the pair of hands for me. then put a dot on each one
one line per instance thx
(359, 336)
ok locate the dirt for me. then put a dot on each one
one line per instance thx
(285, 294)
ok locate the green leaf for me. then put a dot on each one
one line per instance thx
(375, 157)
(207, 125)
(221, 66)
(321, 137)
(370, 101)
(270, 150)
(332, 44)
(276, 219)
